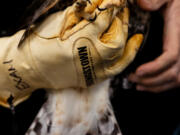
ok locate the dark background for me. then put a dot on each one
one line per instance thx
(138, 113)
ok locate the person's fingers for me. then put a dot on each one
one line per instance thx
(157, 89)
(151, 5)
(158, 65)
(171, 75)
(171, 34)
(162, 73)
(170, 55)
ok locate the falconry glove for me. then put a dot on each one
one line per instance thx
(68, 51)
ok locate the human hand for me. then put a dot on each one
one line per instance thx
(88, 51)
(67, 51)
(162, 73)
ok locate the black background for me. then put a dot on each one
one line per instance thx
(138, 113)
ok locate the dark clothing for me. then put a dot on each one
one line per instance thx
(142, 113)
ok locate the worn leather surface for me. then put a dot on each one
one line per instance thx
(67, 52)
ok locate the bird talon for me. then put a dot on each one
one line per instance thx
(89, 1)
(93, 19)
(101, 9)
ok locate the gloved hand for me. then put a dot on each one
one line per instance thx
(82, 53)
(66, 51)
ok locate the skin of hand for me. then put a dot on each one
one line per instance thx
(163, 73)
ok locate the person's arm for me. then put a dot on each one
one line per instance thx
(164, 72)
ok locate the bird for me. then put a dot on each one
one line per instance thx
(77, 112)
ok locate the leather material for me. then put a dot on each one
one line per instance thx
(66, 51)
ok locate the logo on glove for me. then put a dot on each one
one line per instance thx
(86, 67)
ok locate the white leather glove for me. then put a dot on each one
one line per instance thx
(67, 52)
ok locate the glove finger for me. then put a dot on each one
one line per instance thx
(73, 22)
(103, 21)
(121, 21)
(111, 3)
(114, 40)
(94, 4)
(96, 28)
(106, 17)
(128, 56)
(73, 18)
